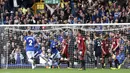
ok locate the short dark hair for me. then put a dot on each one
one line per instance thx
(29, 32)
(97, 34)
(106, 36)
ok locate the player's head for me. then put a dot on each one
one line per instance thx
(97, 34)
(29, 32)
(112, 34)
(106, 36)
(79, 32)
(55, 40)
(117, 35)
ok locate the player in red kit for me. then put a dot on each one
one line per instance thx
(115, 49)
(81, 50)
(105, 51)
(64, 51)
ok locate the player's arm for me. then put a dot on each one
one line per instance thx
(24, 44)
(63, 50)
(94, 47)
(111, 47)
(117, 41)
(85, 49)
(102, 44)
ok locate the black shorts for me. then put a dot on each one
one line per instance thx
(98, 54)
(65, 55)
(107, 55)
(129, 51)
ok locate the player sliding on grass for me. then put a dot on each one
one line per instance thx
(29, 44)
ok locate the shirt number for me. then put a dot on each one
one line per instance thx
(30, 42)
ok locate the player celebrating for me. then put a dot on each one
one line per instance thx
(105, 51)
(81, 50)
(97, 48)
(30, 44)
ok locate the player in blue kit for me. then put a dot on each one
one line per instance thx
(29, 44)
(55, 53)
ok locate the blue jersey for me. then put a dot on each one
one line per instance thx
(53, 46)
(30, 43)
(121, 57)
(60, 38)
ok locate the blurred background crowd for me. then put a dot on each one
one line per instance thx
(64, 12)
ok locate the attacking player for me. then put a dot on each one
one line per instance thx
(97, 49)
(81, 50)
(55, 53)
(105, 51)
(29, 44)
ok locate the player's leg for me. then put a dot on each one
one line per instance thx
(117, 64)
(66, 58)
(103, 60)
(129, 54)
(82, 61)
(58, 57)
(53, 56)
(96, 58)
(110, 60)
(30, 55)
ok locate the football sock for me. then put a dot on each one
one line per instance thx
(68, 64)
(95, 63)
(110, 62)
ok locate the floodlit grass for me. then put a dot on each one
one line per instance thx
(40, 70)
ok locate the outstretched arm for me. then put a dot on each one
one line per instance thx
(57, 6)
(49, 7)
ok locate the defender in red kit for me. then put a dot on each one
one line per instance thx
(81, 50)
(64, 52)
(105, 50)
(115, 49)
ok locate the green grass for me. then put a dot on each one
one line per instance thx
(63, 71)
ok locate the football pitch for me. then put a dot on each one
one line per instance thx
(63, 71)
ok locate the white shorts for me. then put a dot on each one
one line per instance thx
(30, 54)
(41, 58)
(56, 55)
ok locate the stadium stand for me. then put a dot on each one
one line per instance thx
(66, 12)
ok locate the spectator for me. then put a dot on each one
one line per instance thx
(90, 11)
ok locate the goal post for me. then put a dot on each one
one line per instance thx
(13, 37)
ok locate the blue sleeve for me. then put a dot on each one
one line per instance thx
(25, 38)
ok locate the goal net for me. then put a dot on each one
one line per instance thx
(13, 54)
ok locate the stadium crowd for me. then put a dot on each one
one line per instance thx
(17, 54)
(67, 12)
